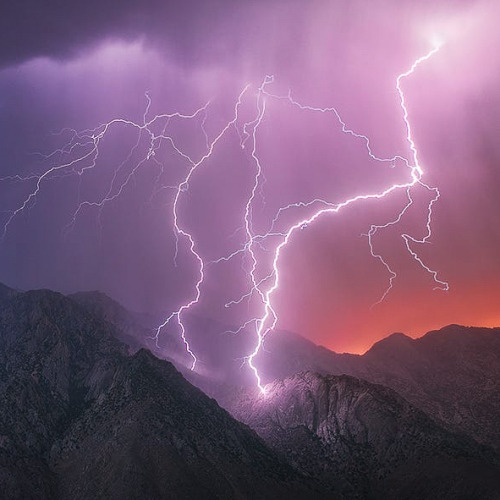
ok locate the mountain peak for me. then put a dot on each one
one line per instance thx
(397, 344)
(457, 330)
(6, 291)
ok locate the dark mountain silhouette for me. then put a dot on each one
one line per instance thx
(452, 374)
(80, 418)
(85, 416)
(6, 292)
(129, 329)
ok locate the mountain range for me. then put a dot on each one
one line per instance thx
(89, 410)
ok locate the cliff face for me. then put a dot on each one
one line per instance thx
(82, 419)
(365, 441)
(452, 374)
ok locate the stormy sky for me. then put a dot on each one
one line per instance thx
(71, 66)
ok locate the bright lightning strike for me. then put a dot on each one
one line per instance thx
(90, 140)
(181, 231)
(81, 155)
(267, 322)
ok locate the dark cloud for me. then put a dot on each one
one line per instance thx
(60, 28)
(187, 30)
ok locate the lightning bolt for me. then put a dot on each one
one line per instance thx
(181, 231)
(89, 140)
(268, 320)
(81, 155)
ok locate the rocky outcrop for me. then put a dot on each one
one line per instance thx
(452, 374)
(364, 441)
(128, 329)
(82, 419)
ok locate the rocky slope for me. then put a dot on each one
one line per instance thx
(364, 441)
(452, 374)
(84, 416)
(128, 328)
(219, 352)
(81, 419)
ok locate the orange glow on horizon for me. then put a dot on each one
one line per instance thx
(413, 315)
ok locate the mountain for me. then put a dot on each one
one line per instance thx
(363, 440)
(219, 352)
(452, 374)
(82, 418)
(287, 353)
(128, 328)
(6, 292)
(85, 416)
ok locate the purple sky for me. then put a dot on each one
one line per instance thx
(76, 66)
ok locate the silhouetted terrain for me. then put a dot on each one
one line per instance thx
(221, 350)
(85, 416)
(452, 374)
(82, 419)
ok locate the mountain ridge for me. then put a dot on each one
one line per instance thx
(439, 372)
(364, 440)
(85, 409)
(82, 418)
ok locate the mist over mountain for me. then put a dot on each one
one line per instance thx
(220, 352)
(89, 413)
(80, 418)
(452, 374)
